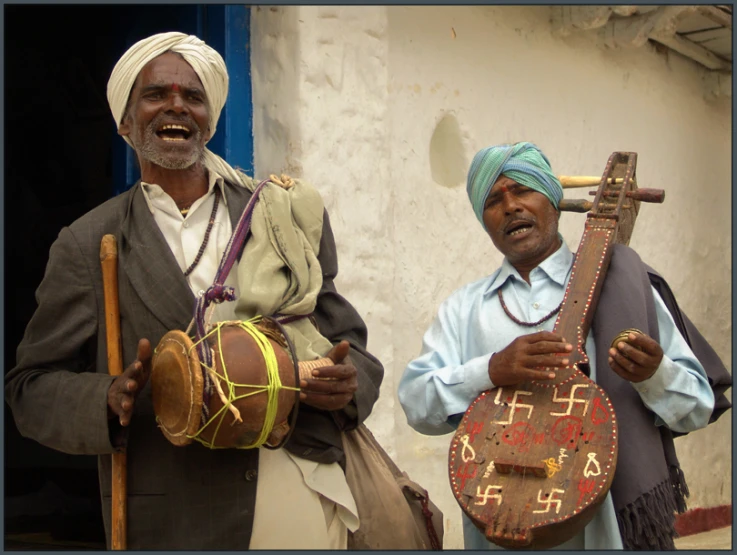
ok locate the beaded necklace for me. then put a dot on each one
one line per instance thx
(207, 233)
(520, 322)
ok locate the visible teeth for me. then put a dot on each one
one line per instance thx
(173, 138)
(519, 230)
(174, 126)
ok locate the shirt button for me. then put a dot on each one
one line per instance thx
(535, 305)
(251, 475)
(186, 224)
(200, 292)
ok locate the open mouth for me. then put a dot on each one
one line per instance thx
(518, 228)
(173, 132)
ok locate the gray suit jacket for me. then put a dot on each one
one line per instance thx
(178, 497)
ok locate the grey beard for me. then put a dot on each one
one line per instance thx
(170, 160)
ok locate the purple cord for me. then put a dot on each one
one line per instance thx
(218, 292)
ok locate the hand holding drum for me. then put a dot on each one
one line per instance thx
(253, 385)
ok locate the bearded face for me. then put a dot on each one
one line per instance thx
(167, 118)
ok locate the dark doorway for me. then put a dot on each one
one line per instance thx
(62, 158)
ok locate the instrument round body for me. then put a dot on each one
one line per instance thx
(530, 464)
(237, 411)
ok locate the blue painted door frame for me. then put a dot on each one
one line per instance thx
(226, 28)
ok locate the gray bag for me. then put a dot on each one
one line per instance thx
(395, 512)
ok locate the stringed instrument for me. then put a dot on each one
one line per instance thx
(530, 464)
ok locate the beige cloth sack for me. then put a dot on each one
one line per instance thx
(394, 511)
(278, 271)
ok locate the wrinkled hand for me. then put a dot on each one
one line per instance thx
(633, 364)
(521, 360)
(123, 391)
(337, 391)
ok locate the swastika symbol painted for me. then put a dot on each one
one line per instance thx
(571, 400)
(486, 495)
(513, 406)
(550, 500)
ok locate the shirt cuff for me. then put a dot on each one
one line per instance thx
(476, 373)
(653, 388)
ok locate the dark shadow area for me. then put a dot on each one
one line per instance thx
(62, 158)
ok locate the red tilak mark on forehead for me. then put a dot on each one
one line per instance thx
(503, 189)
(175, 87)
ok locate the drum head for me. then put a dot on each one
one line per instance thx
(177, 387)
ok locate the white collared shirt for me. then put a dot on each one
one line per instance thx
(185, 235)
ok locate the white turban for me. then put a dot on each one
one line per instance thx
(207, 64)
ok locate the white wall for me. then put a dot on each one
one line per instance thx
(382, 108)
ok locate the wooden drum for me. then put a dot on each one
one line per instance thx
(253, 386)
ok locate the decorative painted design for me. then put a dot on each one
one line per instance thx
(463, 474)
(467, 453)
(549, 500)
(585, 487)
(520, 435)
(486, 495)
(571, 400)
(599, 414)
(551, 467)
(513, 405)
(562, 455)
(565, 431)
(592, 467)
(474, 428)
(489, 469)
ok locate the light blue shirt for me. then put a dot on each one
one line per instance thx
(453, 369)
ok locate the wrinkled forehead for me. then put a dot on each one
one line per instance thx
(169, 69)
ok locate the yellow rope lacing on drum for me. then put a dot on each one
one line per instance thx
(272, 388)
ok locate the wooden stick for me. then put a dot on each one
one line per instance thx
(571, 181)
(574, 205)
(109, 263)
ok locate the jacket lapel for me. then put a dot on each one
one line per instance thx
(237, 197)
(151, 267)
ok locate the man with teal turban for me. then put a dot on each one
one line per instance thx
(522, 162)
(498, 332)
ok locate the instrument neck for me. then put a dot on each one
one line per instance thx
(584, 287)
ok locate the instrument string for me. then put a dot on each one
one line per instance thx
(272, 388)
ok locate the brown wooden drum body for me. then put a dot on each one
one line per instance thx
(177, 389)
(516, 474)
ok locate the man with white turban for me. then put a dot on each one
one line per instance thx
(166, 94)
(498, 332)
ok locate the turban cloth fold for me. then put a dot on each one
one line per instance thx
(523, 162)
(205, 61)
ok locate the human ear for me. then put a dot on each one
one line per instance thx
(124, 128)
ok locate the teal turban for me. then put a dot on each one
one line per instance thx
(523, 162)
